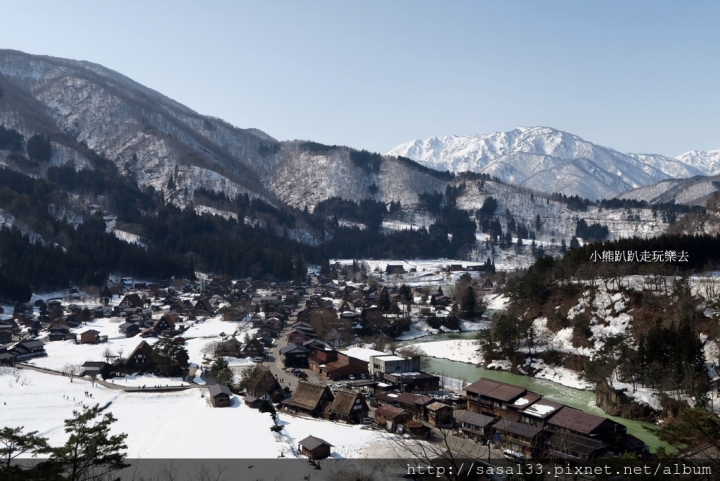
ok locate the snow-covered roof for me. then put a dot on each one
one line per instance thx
(362, 353)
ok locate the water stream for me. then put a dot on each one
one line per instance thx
(576, 398)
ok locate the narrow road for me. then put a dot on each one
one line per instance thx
(110, 385)
(274, 361)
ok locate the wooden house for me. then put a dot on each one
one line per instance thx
(252, 401)
(219, 396)
(266, 386)
(570, 420)
(297, 336)
(390, 417)
(493, 398)
(312, 399)
(164, 326)
(140, 359)
(349, 407)
(205, 306)
(570, 447)
(519, 438)
(474, 425)
(487, 285)
(59, 331)
(416, 404)
(6, 358)
(99, 368)
(229, 348)
(27, 349)
(295, 355)
(91, 336)
(253, 348)
(345, 366)
(392, 269)
(314, 448)
(439, 414)
(131, 300)
(6, 333)
(130, 329)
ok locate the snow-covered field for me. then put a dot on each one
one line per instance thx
(169, 425)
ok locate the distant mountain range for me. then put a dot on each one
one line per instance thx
(85, 110)
(550, 160)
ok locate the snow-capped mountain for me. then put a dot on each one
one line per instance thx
(550, 160)
(707, 162)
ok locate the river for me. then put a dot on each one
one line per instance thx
(576, 398)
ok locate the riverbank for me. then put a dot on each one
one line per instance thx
(583, 400)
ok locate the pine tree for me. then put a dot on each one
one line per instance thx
(468, 302)
(90, 453)
(13, 443)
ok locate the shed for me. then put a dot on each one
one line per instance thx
(219, 395)
(314, 448)
(90, 336)
(439, 414)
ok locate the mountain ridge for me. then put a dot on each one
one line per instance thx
(518, 155)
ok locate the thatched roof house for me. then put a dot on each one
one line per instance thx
(349, 407)
(310, 398)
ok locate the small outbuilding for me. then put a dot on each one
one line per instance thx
(219, 396)
(314, 448)
(91, 336)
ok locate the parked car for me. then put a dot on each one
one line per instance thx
(351, 377)
(362, 376)
(367, 420)
(258, 359)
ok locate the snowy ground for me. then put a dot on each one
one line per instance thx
(461, 350)
(169, 425)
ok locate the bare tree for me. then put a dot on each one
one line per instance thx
(209, 349)
(108, 354)
(72, 370)
(409, 352)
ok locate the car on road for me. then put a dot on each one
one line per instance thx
(259, 359)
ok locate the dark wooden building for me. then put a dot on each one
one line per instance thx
(312, 399)
(219, 396)
(314, 448)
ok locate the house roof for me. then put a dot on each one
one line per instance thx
(495, 390)
(564, 442)
(437, 405)
(417, 399)
(90, 331)
(542, 408)
(390, 412)
(143, 347)
(307, 395)
(311, 442)
(526, 400)
(265, 383)
(294, 348)
(527, 431)
(344, 402)
(475, 419)
(576, 420)
(217, 389)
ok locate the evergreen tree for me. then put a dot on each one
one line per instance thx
(39, 148)
(384, 300)
(91, 452)
(468, 302)
(169, 357)
(14, 443)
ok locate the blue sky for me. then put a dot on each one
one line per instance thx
(635, 76)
